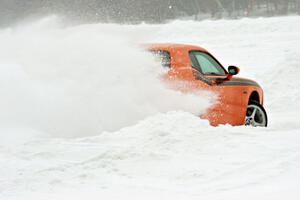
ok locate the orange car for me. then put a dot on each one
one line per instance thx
(240, 100)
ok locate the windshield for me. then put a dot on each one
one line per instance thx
(206, 64)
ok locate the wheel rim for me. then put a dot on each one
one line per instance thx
(255, 116)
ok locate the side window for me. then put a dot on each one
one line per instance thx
(163, 57)
(206, 64)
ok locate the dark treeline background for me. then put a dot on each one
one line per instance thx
(136, 11)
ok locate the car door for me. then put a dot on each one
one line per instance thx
(229, 108)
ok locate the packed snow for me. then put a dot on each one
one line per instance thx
(85, 114)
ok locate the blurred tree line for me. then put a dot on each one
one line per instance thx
(135, 11)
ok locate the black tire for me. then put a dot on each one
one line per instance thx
(257, 119)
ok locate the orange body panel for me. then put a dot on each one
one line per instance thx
(233, 95)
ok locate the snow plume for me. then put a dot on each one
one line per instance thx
(79, 81)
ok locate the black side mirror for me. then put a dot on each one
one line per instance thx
(233, 70)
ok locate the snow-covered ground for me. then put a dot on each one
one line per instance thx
(83, 115)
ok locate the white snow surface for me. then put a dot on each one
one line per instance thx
(85, 116)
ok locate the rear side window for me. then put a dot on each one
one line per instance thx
(163, 57)
(206, 64)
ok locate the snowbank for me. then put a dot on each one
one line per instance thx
(154, 154)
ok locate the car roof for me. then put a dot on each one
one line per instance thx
(172, 46)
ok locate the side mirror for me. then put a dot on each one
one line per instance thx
(232, 71)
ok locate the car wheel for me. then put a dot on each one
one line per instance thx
(256, 115)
